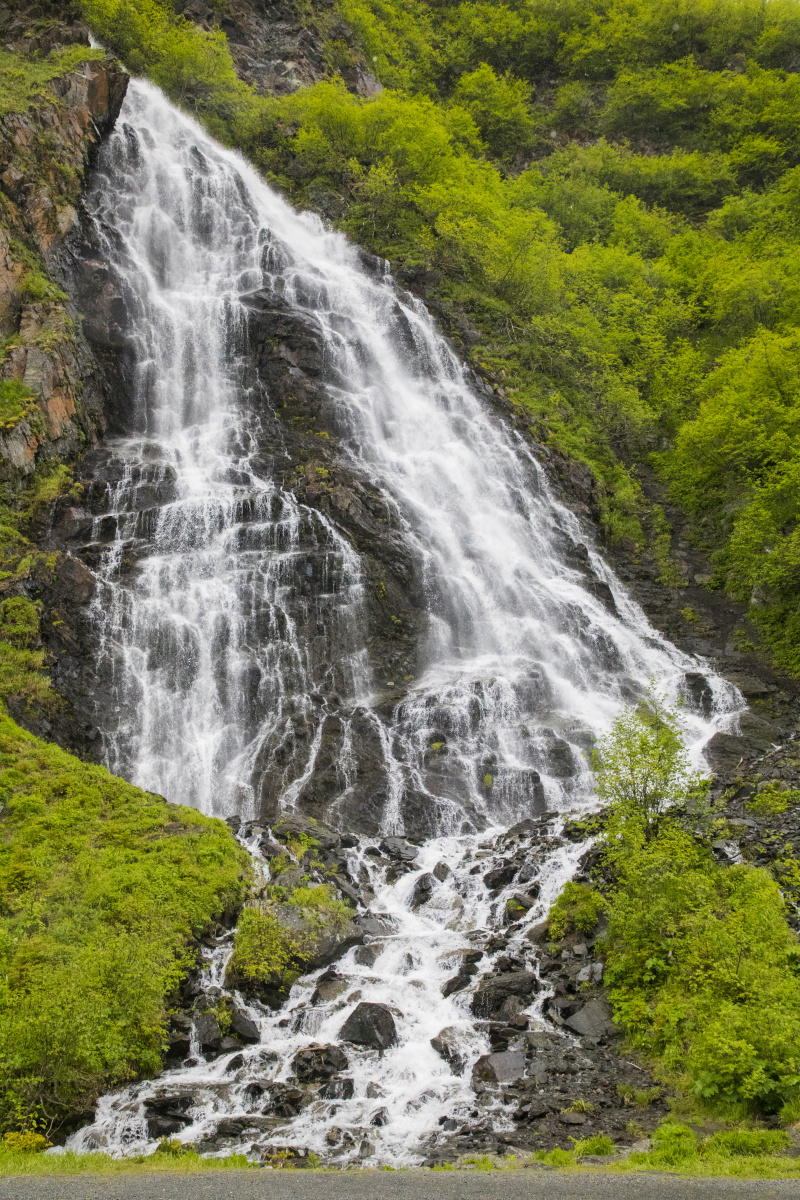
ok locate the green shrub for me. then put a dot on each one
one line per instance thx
(16, 401)
(746, 1142)
(672, 1145)
(598, 1144)
(700, 961)
(261, 948)
(771, 802)
(577, 908)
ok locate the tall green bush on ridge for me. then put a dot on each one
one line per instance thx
(702, 967)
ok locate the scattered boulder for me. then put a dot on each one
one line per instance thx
(505, 1067)
(337, 1089)
(399, 848)
(446, 1046)
(593, 1019)
(370, 1025)
(441, 871)
(208, 1032)
(166, 1115)
(499, 877)
(380, 1117)
(290, 826)
(495, 989)
(244, 1028)
(319, 1062)
(423, 890)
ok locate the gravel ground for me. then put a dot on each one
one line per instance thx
(401, 1185)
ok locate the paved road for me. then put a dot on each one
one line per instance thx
(524, 1184)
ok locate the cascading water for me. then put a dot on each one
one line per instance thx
(231, 619)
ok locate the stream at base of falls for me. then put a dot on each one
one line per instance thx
(251, 661)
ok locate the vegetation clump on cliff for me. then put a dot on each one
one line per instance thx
(701, 966)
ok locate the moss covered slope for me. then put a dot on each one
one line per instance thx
(102, 888)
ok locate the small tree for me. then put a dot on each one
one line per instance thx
(641, 766)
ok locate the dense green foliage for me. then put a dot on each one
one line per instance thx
(702, 967)
(101, 888)
(608, 190)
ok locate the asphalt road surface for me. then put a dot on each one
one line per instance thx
(524, 1184)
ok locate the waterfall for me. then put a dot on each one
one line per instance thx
(233, 618)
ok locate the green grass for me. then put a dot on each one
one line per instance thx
(102, 888)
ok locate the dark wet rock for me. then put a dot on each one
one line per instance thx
(330, 985)
(441, 871)
(375, 926)
(337, 1089)
(380, 1117)
(572, 1118)
(423, 890)
(319, 1062)
(494, 990)
(504, 1067)
(243, 1026)
(370, 1025)
(158, 1127)
(456, 983)
(166, 1114)
(234, 1064)
(367, 956)
(397, 847)
(287, 1101)
(499, 877)
(209, 1034)
(446, 1046)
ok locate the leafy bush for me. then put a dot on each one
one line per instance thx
(578, 907)
(261, 948)
(673, 1144)
(700, 960)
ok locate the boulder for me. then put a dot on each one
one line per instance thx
(243, 1027)
(446, 1046)
(370, 1025)
(399, 848)
(290, 825)
(209, 1034)
(423, 889)
(505, 1067)
(593, 1020)
(496, 989)
(319, 1062)
(441, 871)
(499, 877)
(337, 1089)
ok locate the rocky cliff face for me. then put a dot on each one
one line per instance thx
(45, 149)
(279, 46)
